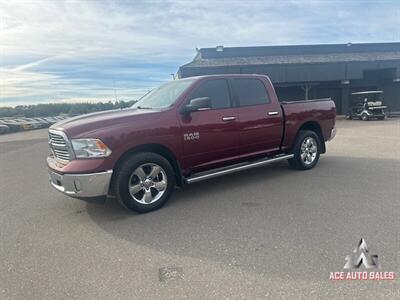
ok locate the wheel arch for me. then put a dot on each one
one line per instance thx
(153, 148)
(314, 126)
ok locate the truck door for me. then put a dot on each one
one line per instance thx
(260, 117)
(209, 135)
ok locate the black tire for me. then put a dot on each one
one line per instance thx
(297, 162)
(125, 172)
(381, 118)
(364, 117)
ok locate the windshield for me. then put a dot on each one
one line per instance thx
(163, 96)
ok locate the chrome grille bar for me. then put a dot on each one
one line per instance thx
(59, 145)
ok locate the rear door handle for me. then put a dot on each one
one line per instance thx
(273, 113)
(226, 119)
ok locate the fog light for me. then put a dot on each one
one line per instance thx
(78, 185)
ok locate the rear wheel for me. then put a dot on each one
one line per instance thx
(144, 182)
(306, 150)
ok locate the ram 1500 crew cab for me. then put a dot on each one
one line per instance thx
(182, 132)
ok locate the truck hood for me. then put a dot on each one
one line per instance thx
(85, 125)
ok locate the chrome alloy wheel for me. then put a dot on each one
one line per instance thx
(148, 183)
(308, 150)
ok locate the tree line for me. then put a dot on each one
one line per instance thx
(54, 109)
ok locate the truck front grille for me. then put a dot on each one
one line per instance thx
(59, 146)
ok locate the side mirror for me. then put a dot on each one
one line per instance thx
(196, 104)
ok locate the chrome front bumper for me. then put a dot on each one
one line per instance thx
(81, 185)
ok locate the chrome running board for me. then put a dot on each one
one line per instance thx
(236, 168)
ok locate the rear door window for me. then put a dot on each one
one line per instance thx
(250, 91)
(217, 90)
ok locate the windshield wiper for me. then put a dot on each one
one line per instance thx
(143, 107)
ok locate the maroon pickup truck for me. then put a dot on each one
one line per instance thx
(182, 132)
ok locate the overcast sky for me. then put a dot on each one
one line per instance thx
(61, 50)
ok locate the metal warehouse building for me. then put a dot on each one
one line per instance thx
(310, 71)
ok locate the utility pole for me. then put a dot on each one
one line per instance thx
(306, 88)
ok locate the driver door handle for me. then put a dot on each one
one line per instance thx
(273, 113)
(227, 119)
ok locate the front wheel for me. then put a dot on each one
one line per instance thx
(144, 182)
(306, 150)
(364, 117)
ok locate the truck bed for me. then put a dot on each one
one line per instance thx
(297, 113)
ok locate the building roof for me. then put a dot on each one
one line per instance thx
(302, 54)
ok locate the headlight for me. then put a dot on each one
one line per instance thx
(87, 148)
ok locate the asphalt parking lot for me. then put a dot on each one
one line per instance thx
(267, 232)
